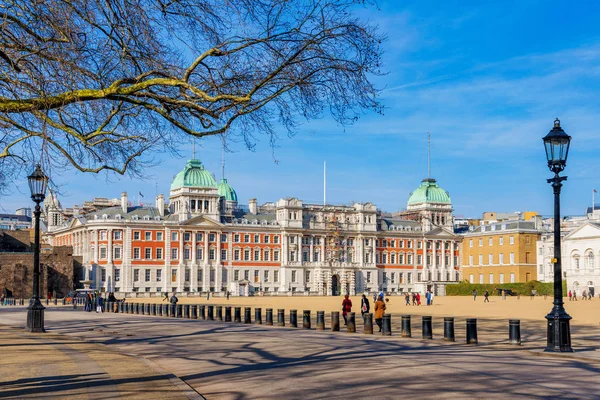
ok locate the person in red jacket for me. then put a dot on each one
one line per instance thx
(418, 299)
(346, 308)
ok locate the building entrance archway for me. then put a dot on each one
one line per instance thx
(335, 285)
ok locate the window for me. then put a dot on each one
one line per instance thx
(223, 238)
(491, 259)
(147, 235)
(103, 274)
(159, 275)
(266, 238)
(266, 276)
(267, 255)
(247, 274)
(470, 242)
(294, 276)
(491, 278)
(480, 242)
(590, 260)
(224, 255)
(187, 237)
(368, 277)
(174, 254)
(117, 274)
(491, 242)
(199, 253)
(393, 258)
(275, 276)
(236, 255)
(481, 259)
(256, 276)
(471, 280)
(117, 235)
(501, 278)
(256, 239)
(246, 255)
(102, 235)
(211, 237)
(117, 253)
(276, 239)
(148, 253)
(401, 258)
(512, 258)
(102, 252)
(501, 240)
(136, 235)
(136, 275)
(419, 259)
(199, 237)
(481, 279)
(276, 255)
(236, 275)
(512, 240)
(173, 236)
(136, 253)
(512, 277)
(501, 261)
(187, 274)
(159, 236)
(173, 275)
(147, 277)
(256, 255)
(471, 261)
(211, 254)
(307, 276)
(246, 238)
(187, 254)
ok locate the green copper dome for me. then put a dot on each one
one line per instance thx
(194, 175)
(225, 190)
(429, 192)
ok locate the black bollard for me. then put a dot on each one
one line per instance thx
(387, 325)
(139, 308)
(47, 302)
(219, 310)
(153, 309)
(427, 331)
(55, 301)
(247, 315)
(202, 312)
(368, 321)
(211, 313)
(147, 309)
(471, 331)
(179, 310)
(237, 316)
(194, 311)
(142, 309)
(269, 317)
(258, 315)
(165, 310)
(22, 302)
(514, 332)
(186, 311)
(172, 311)
(335, 321)
(227, 314)
(280, 317)
(449, 329)
(306, 319)
(64, 301)
(294, 318)
(320, 320)
(159, 310)
(351, 325)
(406, 329)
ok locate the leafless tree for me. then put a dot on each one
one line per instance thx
(97, 84)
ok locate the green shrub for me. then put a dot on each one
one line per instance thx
(466, 289)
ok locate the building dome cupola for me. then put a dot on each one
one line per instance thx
(226, 191)
(194, 175)
(429, 192)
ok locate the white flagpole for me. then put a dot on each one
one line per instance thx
(593, 200)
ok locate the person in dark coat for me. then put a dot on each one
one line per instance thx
(379, 311)
(99, 304)
(173, 301)
(346, 308)
(364, 306)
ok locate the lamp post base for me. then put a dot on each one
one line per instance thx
(559, 331)
(35, 317)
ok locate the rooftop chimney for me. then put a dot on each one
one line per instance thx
(252, 206)
(160, 204)
(124, 202)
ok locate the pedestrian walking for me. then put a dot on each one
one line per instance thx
(407, 298)
(584, 295)
(414, 299)
(503, 294)
(574, 295)
(379, 311)
(431, 298)
(173, 302)
(165, 296)
(570, 296)
(427, 298)
(474, 295)
(99, 304)
(486, 296)
(346, 308)
(228, 293)
(418, 298)
(365, 307)
(88, 302)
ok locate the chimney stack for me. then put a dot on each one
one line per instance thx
(252, 206)
(160, 204)
(124, 202)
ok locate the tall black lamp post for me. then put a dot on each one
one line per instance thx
(557, 143)
(38, 182)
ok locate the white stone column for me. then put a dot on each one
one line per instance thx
(194, 267)
(167, 268)
(218, 266)
(182, 264)
(206, 280)
(126, 264)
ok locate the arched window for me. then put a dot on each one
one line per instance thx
(590, 259)
(576, 261)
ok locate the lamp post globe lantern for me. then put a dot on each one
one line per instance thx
(557, 143)
(38, 183)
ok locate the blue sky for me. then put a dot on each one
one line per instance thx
(485, 78)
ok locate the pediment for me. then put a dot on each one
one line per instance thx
(585, 231)
(202, 220)
(441, 232)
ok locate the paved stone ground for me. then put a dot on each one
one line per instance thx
(236, 361)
